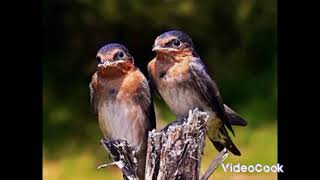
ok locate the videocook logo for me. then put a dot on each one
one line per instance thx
(252, 168)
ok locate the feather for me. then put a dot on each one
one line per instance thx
(209, 90)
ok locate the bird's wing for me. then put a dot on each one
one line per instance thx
(153, 85)
(151, 115)
(144, 100)
(208, 89)
(93, 95)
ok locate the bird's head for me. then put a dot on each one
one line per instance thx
(114, 57)
(174, 43)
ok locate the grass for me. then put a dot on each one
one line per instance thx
(258, 146)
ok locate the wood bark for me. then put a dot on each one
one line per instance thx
(174, 152)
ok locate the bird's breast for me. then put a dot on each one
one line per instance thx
(122, 119)
(179, 94)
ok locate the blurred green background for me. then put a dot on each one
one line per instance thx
(236, 38)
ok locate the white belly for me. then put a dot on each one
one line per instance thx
(182, 100)
(122, 120)
(179, 101)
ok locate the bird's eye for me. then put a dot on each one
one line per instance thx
(120, 55)
(98, 59)
(176, 43)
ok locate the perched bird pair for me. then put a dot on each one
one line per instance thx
(121, 97)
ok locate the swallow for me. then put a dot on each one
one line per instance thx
(182, 80)
(120, 97)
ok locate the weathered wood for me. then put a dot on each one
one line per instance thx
(214, 164)
(122, 155)
(173, 153)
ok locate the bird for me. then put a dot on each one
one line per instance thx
(181, 79)
(120, 97)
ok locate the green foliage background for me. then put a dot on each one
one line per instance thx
(236, 39)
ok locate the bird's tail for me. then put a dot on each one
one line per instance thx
(233, 117)
(224, 141)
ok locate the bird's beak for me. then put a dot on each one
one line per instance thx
(105, 64)
(156, 48)
(110, 63)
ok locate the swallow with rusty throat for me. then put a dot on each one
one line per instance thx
(120, 96)
(183, 82)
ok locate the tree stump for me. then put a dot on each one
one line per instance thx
(173, 153)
